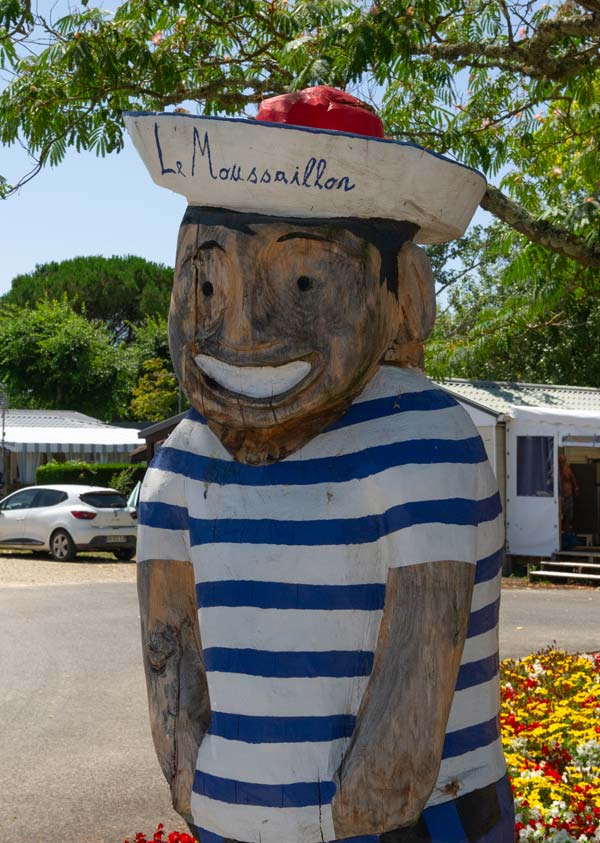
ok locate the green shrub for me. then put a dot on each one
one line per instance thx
(126, 479)
(91, 474)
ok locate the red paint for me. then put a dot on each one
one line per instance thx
(322, 107)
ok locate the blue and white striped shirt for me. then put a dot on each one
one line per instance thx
(291, 562)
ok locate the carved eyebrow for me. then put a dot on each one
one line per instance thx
(303, 235)
(210, 244)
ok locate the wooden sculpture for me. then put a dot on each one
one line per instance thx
(320, 539)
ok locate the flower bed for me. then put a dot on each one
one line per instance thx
(551, 734)
(160, 836)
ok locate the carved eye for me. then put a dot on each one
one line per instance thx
(304, 283)
(208, 289)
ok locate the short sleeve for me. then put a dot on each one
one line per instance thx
(163, 523)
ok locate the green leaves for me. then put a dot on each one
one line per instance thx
(51, 357)
(120, 292)
(507, 87)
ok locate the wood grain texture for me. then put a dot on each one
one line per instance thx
(416, 304)
(175, 677)
(393, 760)
(272, 294)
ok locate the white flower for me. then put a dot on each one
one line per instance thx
(538, 670)
(589, 753)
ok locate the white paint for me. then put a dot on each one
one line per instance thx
(448, 423)
(473, 770)
(323, 501)
(156, 543)
(480, 647)
(254, 381)
(341, 564)
(238, 693)
(484, 699)
(293, 171)
(486, 592)
(261, 763)
(274, 823)
(315, 630)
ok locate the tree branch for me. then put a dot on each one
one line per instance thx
(542, 232)
(531, 55)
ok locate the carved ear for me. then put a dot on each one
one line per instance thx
(416, 307)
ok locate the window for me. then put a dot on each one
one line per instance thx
(104, 500)
(535, 466)
(20, 500)
(49, 497)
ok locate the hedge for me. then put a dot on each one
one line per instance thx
(121, 476)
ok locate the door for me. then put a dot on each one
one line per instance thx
(585, 504)
(14, 513)
(532, 527)
(43, 514)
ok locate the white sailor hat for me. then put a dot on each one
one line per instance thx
(332, 166)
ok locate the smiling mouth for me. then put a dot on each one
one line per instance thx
(259, 382)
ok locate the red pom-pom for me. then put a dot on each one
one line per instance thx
(322, 107)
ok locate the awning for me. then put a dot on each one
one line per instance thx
(98, 439)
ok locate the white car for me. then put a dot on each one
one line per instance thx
(65, 519)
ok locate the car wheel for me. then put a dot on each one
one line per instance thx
(61, 546)
(124, 554)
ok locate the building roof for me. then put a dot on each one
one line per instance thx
(499, 397)
(50, 418)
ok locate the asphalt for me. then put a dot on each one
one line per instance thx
(76, 758)
(531, 619)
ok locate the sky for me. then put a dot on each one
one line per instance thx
(85, 206)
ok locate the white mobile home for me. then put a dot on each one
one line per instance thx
(525, 427)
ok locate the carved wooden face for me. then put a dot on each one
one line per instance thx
(275, 326)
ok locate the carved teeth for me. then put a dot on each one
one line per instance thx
(254, 381)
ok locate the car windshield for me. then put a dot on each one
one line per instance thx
(104, 500)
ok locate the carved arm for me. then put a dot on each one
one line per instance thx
(175, 677)
(393, 761)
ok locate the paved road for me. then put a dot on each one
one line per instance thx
(533, 618)
(76, 759)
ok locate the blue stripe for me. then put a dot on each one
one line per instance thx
(488, 567)
(342, 531)
(484, 619)
(250, 729)
(377, 408)
(195, 416)
(335, 469)
(391, 405)
(167, 516)
(289, 664)
(297, 795)
(369, 528)
(473, 737)
(280, 595)
(476, 673)
(367, 838)
(444, 823)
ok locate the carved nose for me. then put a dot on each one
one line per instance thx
(237, 331)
